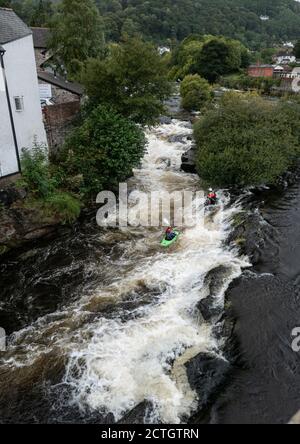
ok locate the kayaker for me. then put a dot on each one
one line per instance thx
(212, 197)
(170, 234)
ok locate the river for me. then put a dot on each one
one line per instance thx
(264, 387)
(102, 322)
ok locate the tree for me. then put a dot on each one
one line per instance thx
(297, 50)
(247, 141)
(218, 57)
(132, 78)
(209, 57)
(77, 34)
(103, 150)
(195, 92)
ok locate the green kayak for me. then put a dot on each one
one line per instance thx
(165, 243)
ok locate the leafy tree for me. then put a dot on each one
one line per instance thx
(297, 50)
(132, 78)
(247, 141)
(103, 150)
(77, 34)
(195, 92)
(176, 19)
(209, 57)
(218, 57)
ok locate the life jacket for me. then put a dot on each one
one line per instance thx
(169, 230)
(212, 196)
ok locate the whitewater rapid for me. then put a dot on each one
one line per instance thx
(115, 359)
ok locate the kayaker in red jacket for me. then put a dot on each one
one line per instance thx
(170, 234)
(212, 197)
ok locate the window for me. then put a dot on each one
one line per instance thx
(19, 103)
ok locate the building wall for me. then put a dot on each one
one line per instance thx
(59, 121)
(8, 156)
(258, 71)
(22, 82)
(39, 58)
(60, 95)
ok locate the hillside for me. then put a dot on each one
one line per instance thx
(256, 23)
(245, 20)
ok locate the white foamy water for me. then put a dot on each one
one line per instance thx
(116, 362)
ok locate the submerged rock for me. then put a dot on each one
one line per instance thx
(206, 372)
(165, 120)
(188, 161)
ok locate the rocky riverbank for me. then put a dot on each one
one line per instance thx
(262, 383)
(21, 222)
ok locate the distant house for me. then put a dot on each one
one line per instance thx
(284, 71)
(60, 99)
(40, 37)
(20, 111)
(53, 86)
(261, 70)
(296, 80)
(285, 58)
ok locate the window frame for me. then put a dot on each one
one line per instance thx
(21, 102)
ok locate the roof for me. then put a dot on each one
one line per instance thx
(40, 37)
(261, 66)
(11, 26)
(60, 82)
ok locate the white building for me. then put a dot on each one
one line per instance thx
(21, 121)
(285, 59)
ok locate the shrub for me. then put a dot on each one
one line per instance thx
(247, 141)
(35, 171)
(102, 151)
(244, 82)
(195, 92)
(41, 181)
(64, 205)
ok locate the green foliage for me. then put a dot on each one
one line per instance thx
(35, 171)
(33, 12)
(263, 85)
(176, 19)
(297, 50)
(218, 57)
(195, 92)
(209, 56)
(247, 140)
(132, 79)
(103, 151)
(42, 185)
(77, 34)
(64, 205)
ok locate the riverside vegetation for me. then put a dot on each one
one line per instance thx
(240, 140)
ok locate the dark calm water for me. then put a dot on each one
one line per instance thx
(265, 386)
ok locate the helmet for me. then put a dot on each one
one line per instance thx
(210, 189)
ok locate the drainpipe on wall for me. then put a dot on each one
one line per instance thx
(2, 52)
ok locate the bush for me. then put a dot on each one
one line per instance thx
(247, 140)
(102, 151)
(195, 92)
(242, 81)
(35, 171)
(132, 79)
(41, 181)
(64, 205)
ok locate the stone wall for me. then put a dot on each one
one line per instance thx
(60, 95)
(59, 121)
